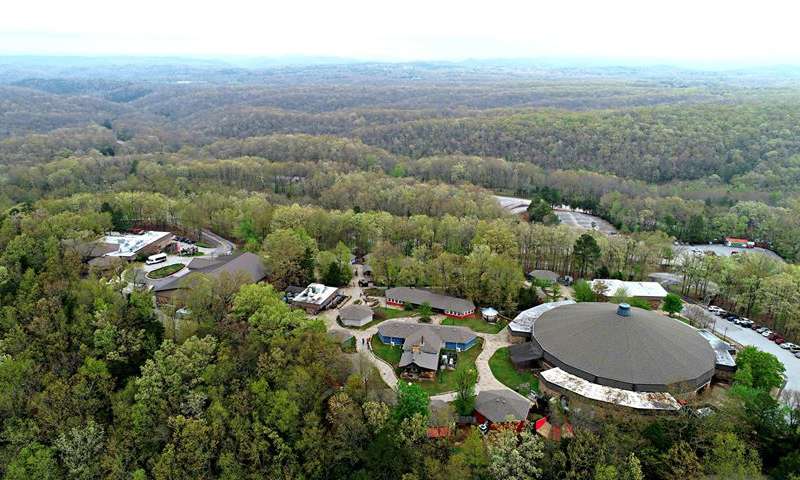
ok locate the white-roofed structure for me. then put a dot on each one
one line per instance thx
(130, 245)
(653, 292)
(558, 380)
(315, 297)
(522, 325)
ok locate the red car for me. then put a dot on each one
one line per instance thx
(772, 336)
(779, 340)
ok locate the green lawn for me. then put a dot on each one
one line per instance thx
(166, 270)
(446, 381)
(504, 371)
(391, 354)
(349, 346)
(391, 313)
(475, 323)
(203, 245)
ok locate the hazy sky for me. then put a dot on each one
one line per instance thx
(755, 31)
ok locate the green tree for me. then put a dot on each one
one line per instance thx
(33, 461)
(583, 291)
(466, 379)
(729, 457)
(411, 400)
(586, 252)
(765, 370)
(515, 457)
(672, 304)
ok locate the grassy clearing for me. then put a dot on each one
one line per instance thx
(203, 245)
(390, 313)
(446, 380)
(504, 371)
(166, 270)
(390, 354)
(474, 323)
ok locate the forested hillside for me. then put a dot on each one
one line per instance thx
(307, 167)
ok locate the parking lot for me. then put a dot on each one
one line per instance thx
(747, 336)
(723, 251)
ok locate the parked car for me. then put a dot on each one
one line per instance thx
(755, 326)
(797, 354)
(772, 336)
(779, 340)
(788, 345)
(766, 333)
(762, 329)
(794, 348)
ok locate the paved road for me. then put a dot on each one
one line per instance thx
(747, 336)
(224, 246)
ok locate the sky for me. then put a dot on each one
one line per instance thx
(696, 31)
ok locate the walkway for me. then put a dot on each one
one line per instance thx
(486, 380)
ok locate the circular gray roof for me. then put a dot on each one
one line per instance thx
(645, 351)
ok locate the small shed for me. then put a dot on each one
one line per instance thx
(355, 315)
(489, 314)
(545, 275)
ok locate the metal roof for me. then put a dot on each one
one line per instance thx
(498, 405)
(418, 296)
(645, 351)
(617, 396)
(634, 289)
(523, 323)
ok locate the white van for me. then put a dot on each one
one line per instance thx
(157, 258)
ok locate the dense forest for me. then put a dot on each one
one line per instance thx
(308, 165)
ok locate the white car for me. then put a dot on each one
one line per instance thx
(788, 346)
(766, 333)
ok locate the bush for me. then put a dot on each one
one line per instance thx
(425, 319)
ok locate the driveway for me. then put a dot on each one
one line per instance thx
(224, 246)
(747, 336)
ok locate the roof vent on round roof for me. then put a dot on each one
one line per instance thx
(624, 310)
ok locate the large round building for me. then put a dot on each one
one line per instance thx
(605, 350)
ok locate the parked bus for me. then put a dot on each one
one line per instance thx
(157, 258)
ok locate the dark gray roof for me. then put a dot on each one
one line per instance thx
(645, 351)
(545, 275)
(498, 405)
(355, 313)
(525, 352)
(425, 339)
(398, 329)
(418, 296)
(247, 263)
(423, 359)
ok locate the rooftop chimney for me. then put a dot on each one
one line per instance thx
(624, 310)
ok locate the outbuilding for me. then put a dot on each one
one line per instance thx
(502, 407)
(355, 315)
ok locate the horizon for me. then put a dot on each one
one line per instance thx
(682, 33)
